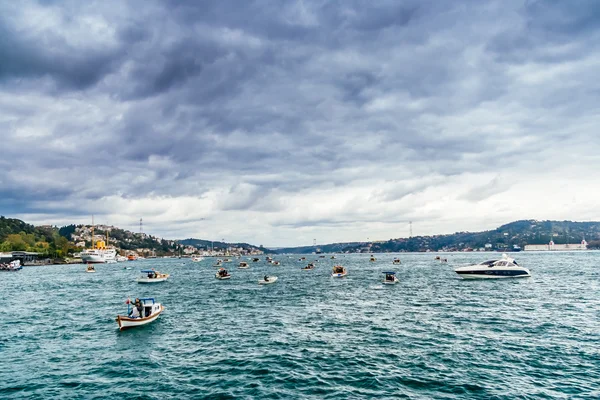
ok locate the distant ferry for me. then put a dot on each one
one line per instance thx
(318, 251)
(98, 256)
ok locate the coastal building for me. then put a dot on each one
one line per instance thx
(557, 247)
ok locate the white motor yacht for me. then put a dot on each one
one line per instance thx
(505, 267)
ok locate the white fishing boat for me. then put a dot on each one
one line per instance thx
(12, 266)
(267, 280)
(243, 265)
(197, 258)
(309, 267)
(90, 269)
(275, 263)
(396, 261)
(152, 276)
(339, 271)
(222, 274)
(390, 278)
(150, 310)
(121, 258)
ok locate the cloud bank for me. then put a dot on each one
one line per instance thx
(278, 123)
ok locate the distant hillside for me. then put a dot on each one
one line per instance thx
(208, 245)
(518, 233)
(16, 235)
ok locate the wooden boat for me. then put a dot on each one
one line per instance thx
(222, 274)
(152, 276)
(151, 311)
(339, 271)
(390, 278)
(373, 259)
(267, 280)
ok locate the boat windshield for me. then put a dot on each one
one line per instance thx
(491, 262)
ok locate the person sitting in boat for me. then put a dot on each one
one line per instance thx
(266, 278)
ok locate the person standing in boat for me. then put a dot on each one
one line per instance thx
(137, 310)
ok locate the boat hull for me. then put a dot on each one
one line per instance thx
(475, 275)
(126, 322)
(270, 281)
(223, 278)
(152, 280)
(341, 275)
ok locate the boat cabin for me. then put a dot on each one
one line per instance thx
(390, 276)
(150, 273)
(149, 307)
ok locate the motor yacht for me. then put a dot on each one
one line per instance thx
(505, 267)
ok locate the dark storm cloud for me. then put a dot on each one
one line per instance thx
(246, 104)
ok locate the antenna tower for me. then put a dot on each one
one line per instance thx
(410, 228)
(314, 242)
(141, 227)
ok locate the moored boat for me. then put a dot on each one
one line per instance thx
(142, 313)
(390, 278)
(267, 280)
(12, 266)
(339, 271)
(222, 274)
(152, 276)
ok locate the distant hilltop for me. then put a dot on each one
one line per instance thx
(516, 234)
(55, 242)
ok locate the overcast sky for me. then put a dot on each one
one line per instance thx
(280, 122)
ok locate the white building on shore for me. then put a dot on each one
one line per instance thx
(557, 247)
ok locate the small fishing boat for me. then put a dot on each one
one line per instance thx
(152, 276)
(255, 259)
(243, 265)
(132, 257)
(90, 269)
(219, 264)
(269, 259)
(339, 271)
(396, 261)
(12, 266)
(222, 274)
(333, 257)
(308, 267)
(150, 310)
(390, 278)
(226, 260)
(275, 263)
(372, 259)
(197, 258)
(267, 280)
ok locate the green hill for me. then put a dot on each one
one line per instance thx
(518, 233)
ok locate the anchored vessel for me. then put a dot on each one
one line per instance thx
(152, 276)
(339, 271)
(505, 267)
(150, 312)
(390, 278)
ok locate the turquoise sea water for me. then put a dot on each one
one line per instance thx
(307, 336)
